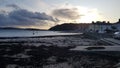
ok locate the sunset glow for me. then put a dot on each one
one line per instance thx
(89, 16)
(47, 13)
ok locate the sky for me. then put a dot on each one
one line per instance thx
(44, 14)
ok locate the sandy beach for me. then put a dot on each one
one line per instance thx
(73, 40)
(52, 52)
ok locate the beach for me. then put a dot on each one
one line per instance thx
(60, 40)
(52, 52)
(59, 34)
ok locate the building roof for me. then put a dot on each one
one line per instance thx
(101, 23)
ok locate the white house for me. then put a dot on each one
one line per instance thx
(99, 26)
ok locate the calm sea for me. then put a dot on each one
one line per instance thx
(29, 33)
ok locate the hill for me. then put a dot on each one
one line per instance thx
(69, 27)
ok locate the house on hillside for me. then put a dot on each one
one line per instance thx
(99, 26)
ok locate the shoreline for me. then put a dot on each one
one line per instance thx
(48, 51)
(68, 35)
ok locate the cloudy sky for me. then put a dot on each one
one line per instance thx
(46, 13)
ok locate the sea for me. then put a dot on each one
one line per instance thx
(30, 33)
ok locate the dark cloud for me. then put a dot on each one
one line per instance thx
(13, 6)
(67, 13)
(24, 17)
